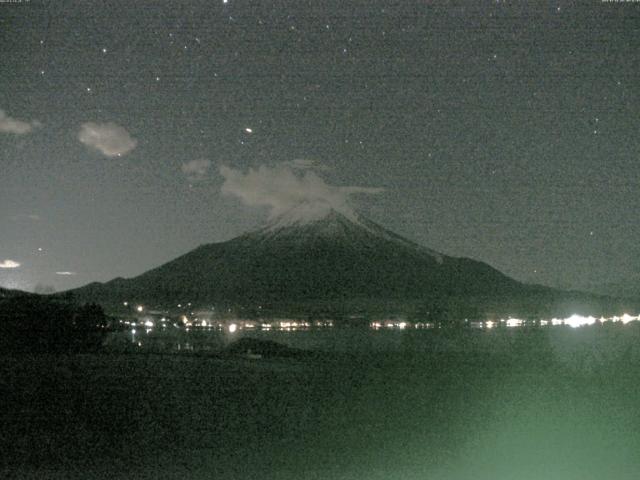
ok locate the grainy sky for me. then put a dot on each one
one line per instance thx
(503, 131)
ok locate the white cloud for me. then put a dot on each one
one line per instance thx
(196, 169)
(306, 164)
(65, 273)
(109, 138)
(23, 216)
(283, 187)
(13, 125)
(9, 264)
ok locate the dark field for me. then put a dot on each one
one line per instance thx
(561, 404)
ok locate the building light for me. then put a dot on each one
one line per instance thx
(514, 322)
(626, 318)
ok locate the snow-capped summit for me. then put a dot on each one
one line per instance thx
(314, 221)
(306, 213)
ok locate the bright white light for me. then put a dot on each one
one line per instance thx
(514, 322)
(148, 323)
(575, 321)
(9, 264)
(232, 328)
(626, 318)
(402, 325)
(248, 130)
(139, 308)
(490, 324)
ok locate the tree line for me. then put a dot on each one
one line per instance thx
(33, 323)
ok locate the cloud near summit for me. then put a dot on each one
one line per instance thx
(284, 186)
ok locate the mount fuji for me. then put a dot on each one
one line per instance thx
(315, 257)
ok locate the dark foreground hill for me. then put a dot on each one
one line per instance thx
(39, 324)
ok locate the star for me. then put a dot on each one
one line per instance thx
(104, 50)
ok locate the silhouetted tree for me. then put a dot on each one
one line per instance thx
(39, 324)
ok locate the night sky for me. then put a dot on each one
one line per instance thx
(502, 131)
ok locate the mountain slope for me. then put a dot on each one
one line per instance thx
(309, 257)
(7, 293)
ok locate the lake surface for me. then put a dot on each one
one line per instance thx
(503, 404)
(600, 342)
